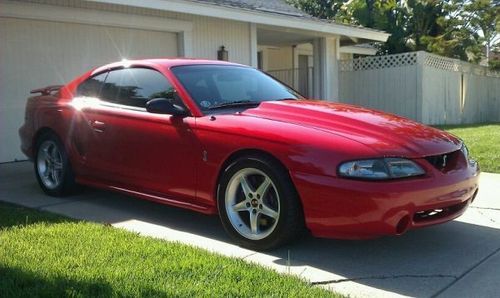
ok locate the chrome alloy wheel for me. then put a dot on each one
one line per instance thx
(252, 203)
(49, 163)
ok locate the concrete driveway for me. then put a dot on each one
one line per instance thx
(460, 258)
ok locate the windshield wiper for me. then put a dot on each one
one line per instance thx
(234, 104)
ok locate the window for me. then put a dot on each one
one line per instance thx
(210, 85)
(92, 86)
(136, 86)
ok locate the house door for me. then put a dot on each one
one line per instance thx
(304, 75)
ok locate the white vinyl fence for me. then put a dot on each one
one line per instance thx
(422, 86)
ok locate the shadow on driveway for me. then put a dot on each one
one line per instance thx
(420, 263)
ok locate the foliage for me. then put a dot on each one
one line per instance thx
(453, 28)
(323, 9)
(45, 255)
(494, 62)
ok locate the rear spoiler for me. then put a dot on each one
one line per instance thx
(47, 90)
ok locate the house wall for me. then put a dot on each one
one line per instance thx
(285, 57)
(35, 52)
(279, 58)
(207, 36)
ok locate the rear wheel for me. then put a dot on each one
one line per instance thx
(52, 168)
(258, 204)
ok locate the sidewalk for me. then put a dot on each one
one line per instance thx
(456, 259)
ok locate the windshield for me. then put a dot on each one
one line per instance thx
(221, 86)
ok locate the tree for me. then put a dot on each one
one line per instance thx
(323, 9)
(494, 63)
(452, 28)
(484, 16)
(389, 16)
(454, 39)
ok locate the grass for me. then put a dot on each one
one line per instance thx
(43, 254)
(483, 141)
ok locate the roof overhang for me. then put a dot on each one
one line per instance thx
(358, 50)
(252, 16)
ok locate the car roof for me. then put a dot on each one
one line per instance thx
(162, 62)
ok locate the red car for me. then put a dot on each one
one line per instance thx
(224, 138)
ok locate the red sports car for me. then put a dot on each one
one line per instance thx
(224, 138)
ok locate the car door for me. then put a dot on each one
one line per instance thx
(128, 147)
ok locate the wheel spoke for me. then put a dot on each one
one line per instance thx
(50, 151)
(241, 206)
(55, 176)
(266, 210)
(245, 186)
(263, 187)
(57, 165)
(254, 222)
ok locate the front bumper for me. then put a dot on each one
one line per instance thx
(351, 209)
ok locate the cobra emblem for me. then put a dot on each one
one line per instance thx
(444, 161)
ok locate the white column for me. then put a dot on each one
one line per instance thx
(329, 68)
(253, 45)
(317, 92)
(185, 43)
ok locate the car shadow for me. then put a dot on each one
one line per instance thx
(419, 263)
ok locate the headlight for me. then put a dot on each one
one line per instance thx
(465, 151)
(380, 169)
(468, 158)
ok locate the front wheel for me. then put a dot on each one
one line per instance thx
(258, 204)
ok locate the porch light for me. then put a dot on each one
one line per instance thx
(222, 54)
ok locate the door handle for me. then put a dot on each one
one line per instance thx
(98, 126)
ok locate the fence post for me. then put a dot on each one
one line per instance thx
(419, 104)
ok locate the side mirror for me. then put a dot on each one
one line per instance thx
(164, 106)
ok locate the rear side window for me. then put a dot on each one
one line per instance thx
(135, 87)
(92, 86)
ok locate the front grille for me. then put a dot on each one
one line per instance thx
(444, 162)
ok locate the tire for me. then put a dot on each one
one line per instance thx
(258, 205)
(52, 167)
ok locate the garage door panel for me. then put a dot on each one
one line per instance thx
(38, 53)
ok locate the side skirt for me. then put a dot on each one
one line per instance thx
(150, 197)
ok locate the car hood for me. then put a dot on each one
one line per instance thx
(388, 134)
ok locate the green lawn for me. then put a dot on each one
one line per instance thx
(42, 254)
(483, 141)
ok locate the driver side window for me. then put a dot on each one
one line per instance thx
(92, 86)
(134, 87)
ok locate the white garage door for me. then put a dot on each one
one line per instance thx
(35, 54)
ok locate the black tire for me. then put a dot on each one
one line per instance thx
(66, 184)
(290, 222)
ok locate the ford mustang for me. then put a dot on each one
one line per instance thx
(227, 139)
